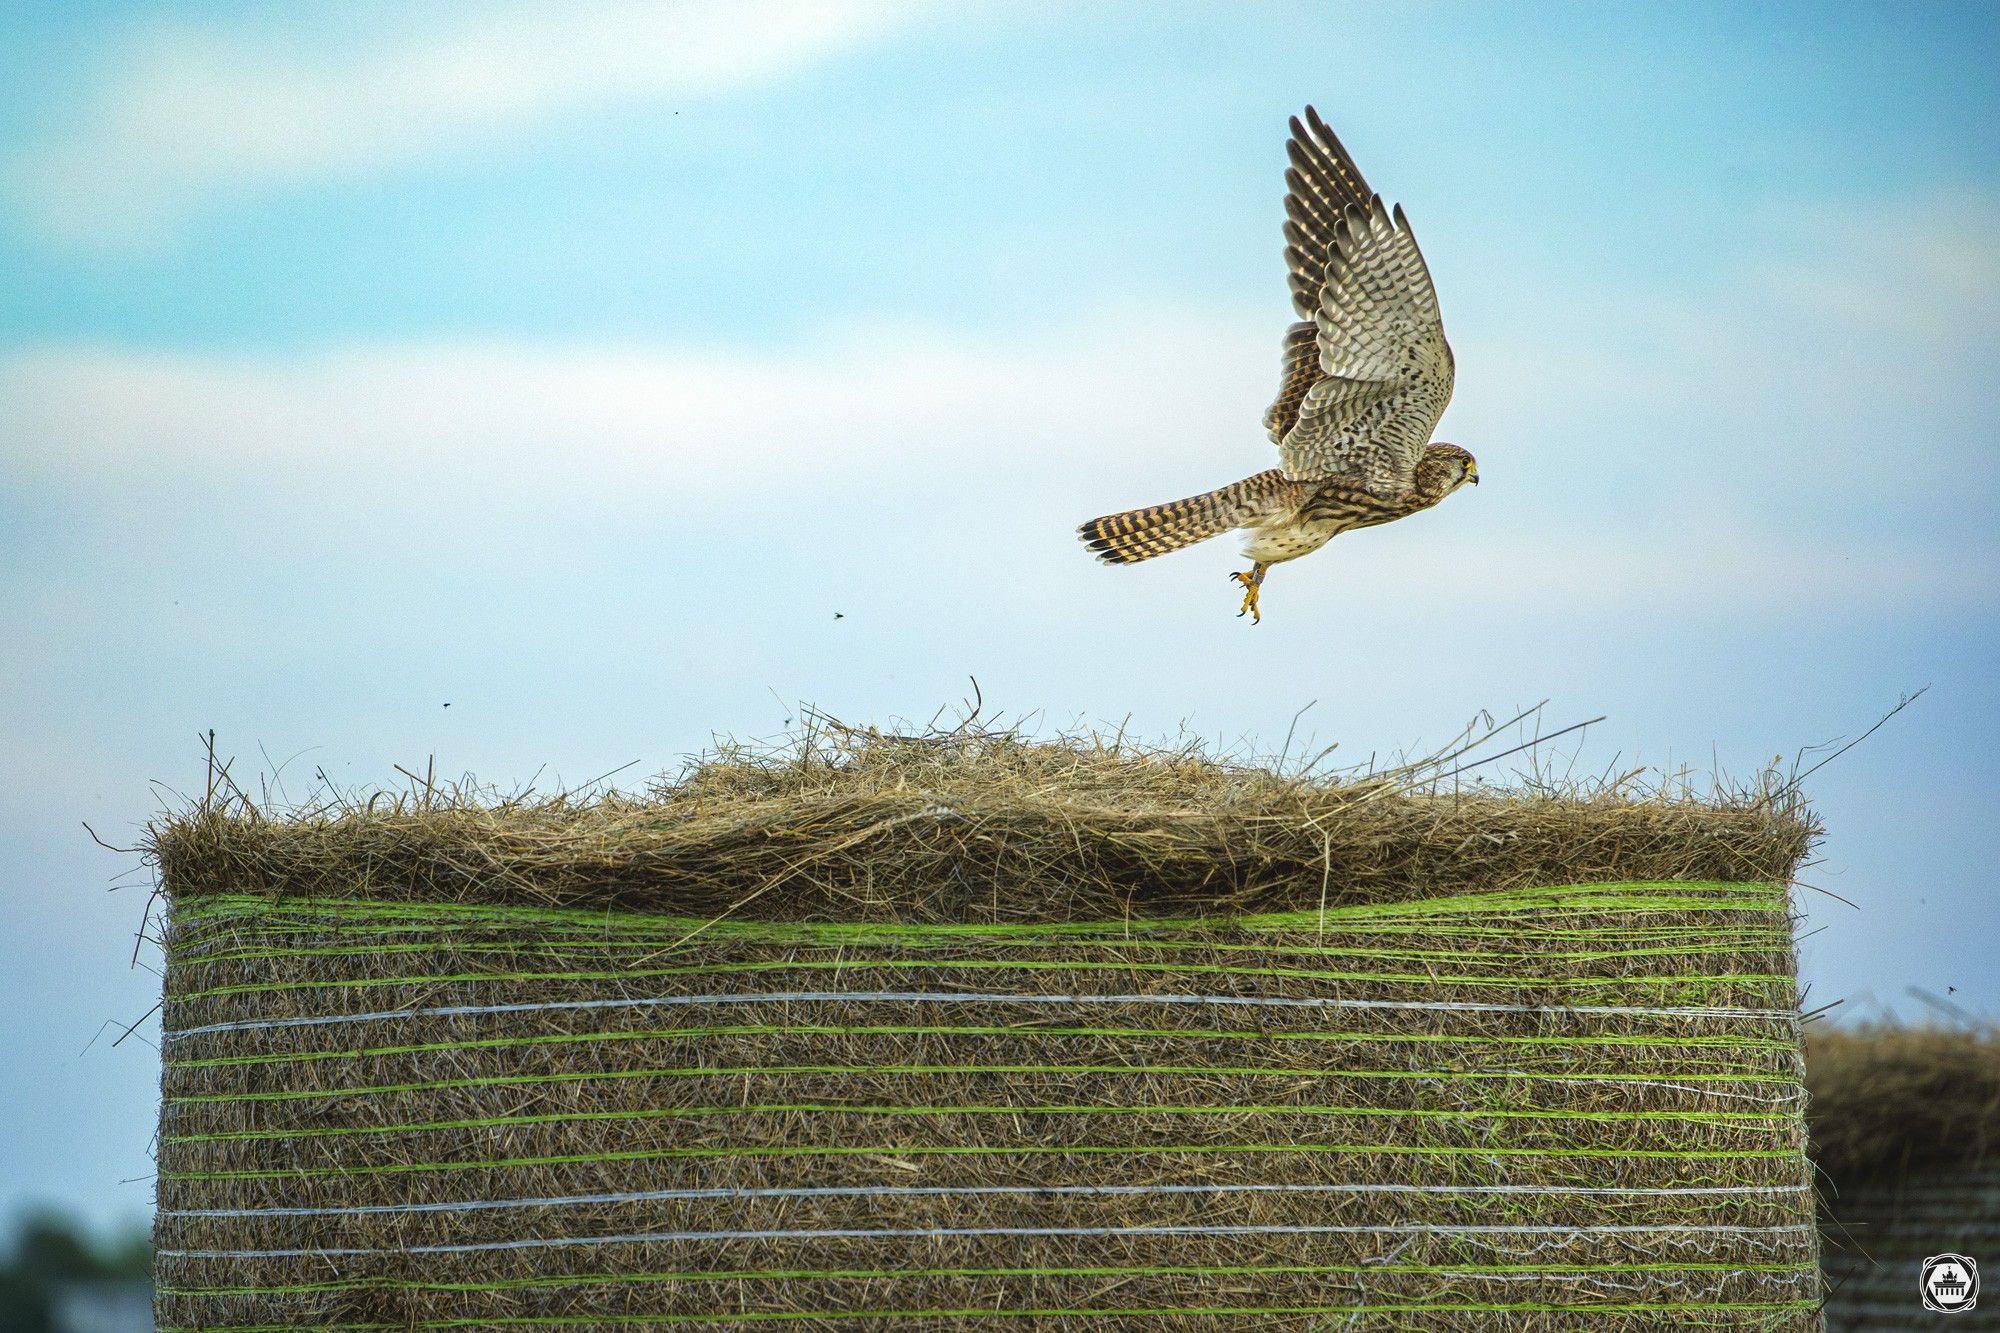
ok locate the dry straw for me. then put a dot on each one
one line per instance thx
(967, 1030)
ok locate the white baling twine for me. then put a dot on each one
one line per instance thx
(951, 1191)
(871, 1233)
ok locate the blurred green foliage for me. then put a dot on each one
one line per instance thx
(47, 1254)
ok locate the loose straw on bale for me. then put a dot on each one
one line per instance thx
(991, 1033)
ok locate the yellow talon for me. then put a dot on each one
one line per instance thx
(1252, 582)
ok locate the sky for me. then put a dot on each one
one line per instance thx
(625, 374)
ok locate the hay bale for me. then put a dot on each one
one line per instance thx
(939, 1034)
(1906, 1131)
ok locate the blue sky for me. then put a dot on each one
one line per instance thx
(575, 364)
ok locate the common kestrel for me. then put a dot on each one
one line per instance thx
(1367, 374)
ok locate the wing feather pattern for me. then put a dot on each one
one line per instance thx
(1321, 184)
(1383, 371)
(1367, 373)
(1301, 370)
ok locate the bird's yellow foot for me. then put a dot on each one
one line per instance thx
(1252, 582)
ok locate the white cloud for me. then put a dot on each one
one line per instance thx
(188, 110)
(1836, 362)
(1042, 432)
(1924, 275)
(487, 412)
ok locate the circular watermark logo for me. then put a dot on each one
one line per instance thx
(1950, 1283)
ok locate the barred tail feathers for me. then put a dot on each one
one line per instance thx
(1141, 534)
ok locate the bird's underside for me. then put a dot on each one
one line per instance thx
(1281, 519)
(1366, 375)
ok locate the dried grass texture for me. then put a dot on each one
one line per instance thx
(989, 1039)
(855, 825)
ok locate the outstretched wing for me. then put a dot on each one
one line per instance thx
(1321, 184)
(1384, 370)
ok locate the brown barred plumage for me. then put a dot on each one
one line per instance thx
(1299, 373)
(1320, 186)
(1141, 534)
(1366, 375)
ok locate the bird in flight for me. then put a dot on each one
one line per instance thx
(1366, 375)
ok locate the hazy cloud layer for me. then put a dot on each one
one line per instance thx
(188, 110)
(1047, 431)
(1741, 441)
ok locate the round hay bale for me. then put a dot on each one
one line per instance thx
(984, 1033)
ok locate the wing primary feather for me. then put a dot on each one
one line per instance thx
(1321, 182)
(1298, 210)
(1307, 157)
(1367, 372)
(1339, 162)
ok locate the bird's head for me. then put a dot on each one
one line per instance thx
(1455, 467)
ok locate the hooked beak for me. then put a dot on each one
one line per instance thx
(1474, 479)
